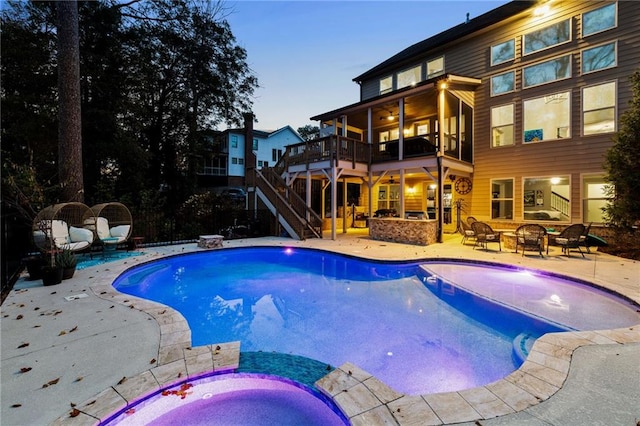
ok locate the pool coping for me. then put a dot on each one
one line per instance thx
(363, 398)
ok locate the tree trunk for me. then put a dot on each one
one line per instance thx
(69, 127)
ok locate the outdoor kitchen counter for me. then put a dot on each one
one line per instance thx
(407, 231)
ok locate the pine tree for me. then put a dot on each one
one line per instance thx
(623, 166)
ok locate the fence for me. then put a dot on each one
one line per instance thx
(156, 227)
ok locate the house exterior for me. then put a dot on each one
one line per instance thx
(508, 116)
(225, 161)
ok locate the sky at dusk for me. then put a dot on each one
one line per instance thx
(306, 53)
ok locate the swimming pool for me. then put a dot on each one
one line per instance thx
(421, 327)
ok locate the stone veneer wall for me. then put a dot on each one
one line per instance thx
(419, 232)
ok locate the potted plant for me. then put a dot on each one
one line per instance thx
(67, 261)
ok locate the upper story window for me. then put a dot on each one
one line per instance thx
(234, 141)
(255, 145)
(599, 20)
(547, 117)
(435, 67)
(409, 77)
(548, 71)
(386, 85)
(599, 109)
(502, 125)
(503, 83)
(503, 52)
(547, 37)
(599, 58)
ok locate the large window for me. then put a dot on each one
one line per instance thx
(547, 117)
(598, 20)
(386, 85)
(547, 199)
(599, 109)
(502, 125)
(389, 197)
(409, 77)
(503, 52)
(435, 67)
(502, 199)
(546, 37)
(594, 199)
(545, 72)
(599, 58)
(503, 83)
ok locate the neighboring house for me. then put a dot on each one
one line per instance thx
(225, 161)
(511, 112)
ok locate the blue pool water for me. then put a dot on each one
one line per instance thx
(421, 327)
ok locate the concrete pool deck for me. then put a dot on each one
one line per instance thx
(81, 344)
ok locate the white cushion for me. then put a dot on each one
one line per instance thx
(120, 231)
(80, 234)
(76, 246)
(60, 232)
(102, 228)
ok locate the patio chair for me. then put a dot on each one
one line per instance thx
(569, 238)
(470, 220)
(61, 226)
(531, 237)
(113, 223)
(484, 235)
(584, 241)
(466, 231)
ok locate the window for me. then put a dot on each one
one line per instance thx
(240, 161)
(503, 52)
(503, 83)
(599, 109)
(502, 126)
(255, 145)
(545, 72)
(389, 197)
(547, 198)
(547, 117)
(546, 37)
(502, 199)
(435, 67)
(594, 198)
(599, 58)
(409, 77)
(234, 160)
(386, 85)
(599, 20)
(259, 163)
(234, 141)
(274, 154)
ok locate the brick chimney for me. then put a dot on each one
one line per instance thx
(249, 156)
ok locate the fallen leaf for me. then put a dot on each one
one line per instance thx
(24, 345)
(74, 413)
(73, 329)
(25, 369)
(124, 379)
(16, 405)
(79, 379)
(19, 317)
(72, 404)
(53, 382)
(36, 326)
(153, 361)
(36, 309)
(62, 333)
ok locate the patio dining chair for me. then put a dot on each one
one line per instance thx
(569, 238)
(531, 237)
(466, 231)
(484, 235)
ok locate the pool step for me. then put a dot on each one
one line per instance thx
(521, 347)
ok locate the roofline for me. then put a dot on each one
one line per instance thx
(487, 19)
(397, 94)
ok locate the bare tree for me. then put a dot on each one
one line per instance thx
(69, 128)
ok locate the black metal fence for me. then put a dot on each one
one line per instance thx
(155, 227)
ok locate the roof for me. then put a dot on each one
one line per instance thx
(265, 134)
(409, 54)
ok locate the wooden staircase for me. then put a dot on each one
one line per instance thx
(285, 204)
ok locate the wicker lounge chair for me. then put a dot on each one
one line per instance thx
(531, 237)
(484, 235)
(467, 232)
(113, 223)
(569, 238)
(61, 226)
